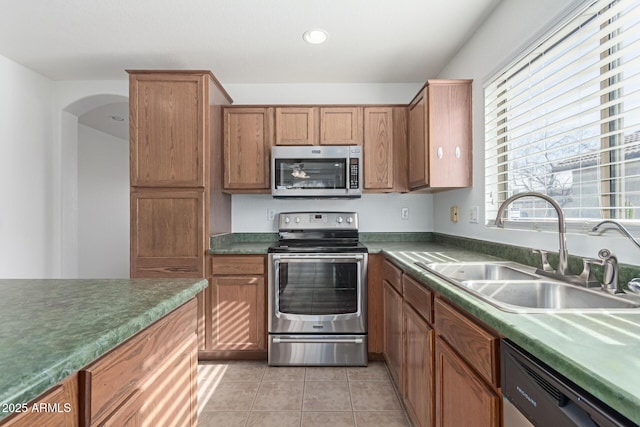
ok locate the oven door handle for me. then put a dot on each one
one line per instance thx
(278, 340)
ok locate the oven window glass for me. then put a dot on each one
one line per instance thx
(311, 173)
(318, 288)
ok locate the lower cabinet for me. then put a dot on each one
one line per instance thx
(152, 375)
(443, 362)
(418, 362)
(237, 307)
(63, 398)
(462, 397)
(392, 312)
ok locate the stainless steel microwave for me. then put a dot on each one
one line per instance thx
(316, 171)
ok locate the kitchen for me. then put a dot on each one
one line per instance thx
(51, 235)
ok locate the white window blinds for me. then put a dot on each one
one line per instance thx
(565, 120)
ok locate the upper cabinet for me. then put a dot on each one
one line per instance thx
(175, 169)
(440, 155)
(385, 149)
(341, 126)
(296, 126)
(168, 129)
(248, 137)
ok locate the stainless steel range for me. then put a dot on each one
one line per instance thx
(318, 291)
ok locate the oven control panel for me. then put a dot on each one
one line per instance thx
(318, 220)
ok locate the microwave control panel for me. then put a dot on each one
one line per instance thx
(354, 173)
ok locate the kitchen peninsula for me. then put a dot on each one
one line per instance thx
(83, 352)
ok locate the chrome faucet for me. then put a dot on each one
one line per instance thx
(563, 254)
(620, 227)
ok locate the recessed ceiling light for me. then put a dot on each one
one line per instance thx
(117, 118)
(315, 36)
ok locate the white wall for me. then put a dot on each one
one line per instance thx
(506, 31)
(103, 205)
(378, 212)
(26, 199)
(73, 98)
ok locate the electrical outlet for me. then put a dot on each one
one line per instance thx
(271, 214)
(454, 213)
(474, 212)
(404, 213)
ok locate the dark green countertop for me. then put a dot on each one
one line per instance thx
(599, 351)
(52, 328)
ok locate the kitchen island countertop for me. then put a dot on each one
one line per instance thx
(51, 328)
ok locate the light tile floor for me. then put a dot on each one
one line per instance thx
(250, 393)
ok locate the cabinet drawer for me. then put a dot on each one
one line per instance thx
(111, 380)
(237, 264)
(420, 298)
(393, 275)
(477, 346)
(56, 408)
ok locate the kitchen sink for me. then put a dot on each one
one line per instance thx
(510, 287)
(543, 295)
(462, 271)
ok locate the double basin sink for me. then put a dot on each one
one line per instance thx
(512, 287)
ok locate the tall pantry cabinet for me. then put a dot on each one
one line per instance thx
(175, 171)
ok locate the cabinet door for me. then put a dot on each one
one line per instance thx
(418, 365)
(238, 314)
(393, 342)
(248, 136)
(418, 153)
(167, 137)
(167, 233)
(450, 135)
(378, 148)
(296, 126)
(341, 125)
(462, 398)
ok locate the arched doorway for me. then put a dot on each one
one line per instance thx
(96, 187)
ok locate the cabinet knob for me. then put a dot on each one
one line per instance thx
(439, 153)
(457, 152)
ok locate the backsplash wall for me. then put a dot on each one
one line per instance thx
(378, 212)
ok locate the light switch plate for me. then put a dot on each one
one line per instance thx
(474, 212)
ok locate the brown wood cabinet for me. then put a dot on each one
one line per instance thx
(440, 149)
(375, 326)
(462, 398)
(418, 352)
(248, 137)
(385, 149)
(63, 397)
(237, 310)
(175, 167)
(154, 370)
(296, 125)
(168, 232)
(392, 314)
(169, 127)
(341, 125)
(418, 365)
(444, 363)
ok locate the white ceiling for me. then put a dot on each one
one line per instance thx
(240, 41)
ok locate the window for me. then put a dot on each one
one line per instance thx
(565, 121)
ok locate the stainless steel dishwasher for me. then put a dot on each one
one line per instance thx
(536, 395)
